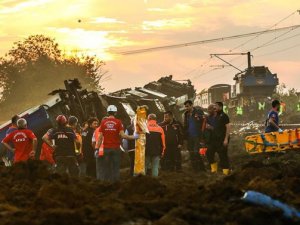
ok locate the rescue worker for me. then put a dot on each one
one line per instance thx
(87, 147)
(64, 146)
(99, 153)
(129, 146)
(73, 124)
(193, 121)
(174, 141)
(219, 140)
(261, 106)
(85, 126)
(272, 122)
(282, 108)
(208, 137)
(24, 142)
(111, 129)
(9, 154)
(239, 110)
(225, 109)
(155, 145)
(47, 153)
(14, 125)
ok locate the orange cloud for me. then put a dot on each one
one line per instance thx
(109, 26)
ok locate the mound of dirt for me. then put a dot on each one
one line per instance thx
(31, 194)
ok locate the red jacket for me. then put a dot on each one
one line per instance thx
(47, 154)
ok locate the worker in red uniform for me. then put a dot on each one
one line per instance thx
(111, 132)
(9, 154)
(24, 141)
(47, 154)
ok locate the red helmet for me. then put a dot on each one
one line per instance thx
(61, 119)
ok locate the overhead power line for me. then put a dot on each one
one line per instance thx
(138, 51)
(256, 36)
(278, 51)
(272, 40)
(246, 42)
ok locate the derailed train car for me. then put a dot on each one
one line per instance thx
(249, 98)
(159, 96)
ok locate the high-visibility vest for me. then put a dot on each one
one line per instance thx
(78, 146)
(225, 109)
(261, 106)
(298, 107)
(239, 110)
(282, 108)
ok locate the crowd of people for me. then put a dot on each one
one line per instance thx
(94, 149)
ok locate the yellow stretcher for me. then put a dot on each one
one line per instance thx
(273, 142)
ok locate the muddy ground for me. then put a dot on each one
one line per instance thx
(30, 194)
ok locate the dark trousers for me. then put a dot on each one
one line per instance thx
(221, 150)
(112, 158)
(66, 164)
(131, 158)
(196, 159)
(91, 166)
(172, 159)
(100, 168)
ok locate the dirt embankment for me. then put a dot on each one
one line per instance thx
(30, 194)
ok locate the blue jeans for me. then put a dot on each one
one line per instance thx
(100, 168)
(153, 163)
(112, 158)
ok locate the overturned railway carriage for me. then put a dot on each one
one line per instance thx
(159, 96)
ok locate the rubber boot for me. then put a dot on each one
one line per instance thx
(213, 167)
(226, 172)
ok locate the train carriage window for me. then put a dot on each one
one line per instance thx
(128, 109)
(160, 106)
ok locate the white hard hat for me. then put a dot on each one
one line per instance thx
(21, 123)
(112, 108)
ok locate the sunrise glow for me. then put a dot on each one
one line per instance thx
(104, 28)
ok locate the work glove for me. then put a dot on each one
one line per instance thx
(136, 135)
(280, 130)
(96, 153)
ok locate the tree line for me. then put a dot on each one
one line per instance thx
(35, 66)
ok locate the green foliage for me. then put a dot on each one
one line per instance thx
(36, 66)
(289, 96)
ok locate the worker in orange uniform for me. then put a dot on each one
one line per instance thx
(155, 145)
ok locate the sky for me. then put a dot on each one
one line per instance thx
(106, 28)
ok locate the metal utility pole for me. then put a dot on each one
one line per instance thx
(243, 53)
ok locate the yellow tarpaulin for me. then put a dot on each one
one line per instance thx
(140, 143)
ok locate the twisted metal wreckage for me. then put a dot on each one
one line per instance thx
(159, 96)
